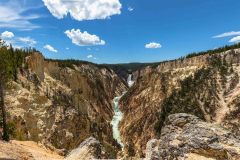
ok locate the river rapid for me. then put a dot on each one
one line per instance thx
(118, 115)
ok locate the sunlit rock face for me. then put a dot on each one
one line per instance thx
(187, 137)
(206, 86)
(35, 63)
(63, 105)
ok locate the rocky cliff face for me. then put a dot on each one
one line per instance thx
(206, 86)
(187, 137)
(88, 150)
(62, 106)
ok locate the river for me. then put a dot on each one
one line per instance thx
(118, 115)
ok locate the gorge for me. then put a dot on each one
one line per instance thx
(186, 108)
(118, 115)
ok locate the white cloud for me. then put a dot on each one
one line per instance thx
(11, 16)
(50, 48)
(27, 40)
(83, 9)
(153, 45)
(235, 39)
(130, 9)
(7, 35)
(17, 42)
(227, 34)
(90, 56)
(83, 38)
(67, 48)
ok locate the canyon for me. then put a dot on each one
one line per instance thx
(206, 86)
(186, 108)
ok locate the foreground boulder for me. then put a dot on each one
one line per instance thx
(186, 137)
(87, 150)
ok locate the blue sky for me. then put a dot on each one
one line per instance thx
(120, 31)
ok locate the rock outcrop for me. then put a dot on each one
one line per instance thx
(35, 64)
(187, 137)
(88, 150)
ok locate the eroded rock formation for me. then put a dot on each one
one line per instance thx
(88, 150)
(187, 137)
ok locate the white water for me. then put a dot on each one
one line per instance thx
(130, 81)
(118, 115)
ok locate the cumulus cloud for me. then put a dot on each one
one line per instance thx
(235, 39)
(83, 38)
(153, 45)
(130, 9)
(50, 48)
(90, 56)
(83, 9)
(17, 42)
(27, 40)
(7, 35)
(227, 34)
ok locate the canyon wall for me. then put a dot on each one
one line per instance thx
(62, 106)
(206, 86)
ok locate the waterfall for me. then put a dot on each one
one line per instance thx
(130, 81)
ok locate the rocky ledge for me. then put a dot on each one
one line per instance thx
(186, 137)
(87, 150)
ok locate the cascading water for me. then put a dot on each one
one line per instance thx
(118, 115)
(130, 81)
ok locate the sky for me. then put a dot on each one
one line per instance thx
(119, 31)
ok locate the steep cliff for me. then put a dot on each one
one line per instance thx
(206, 86)
(62, 106)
